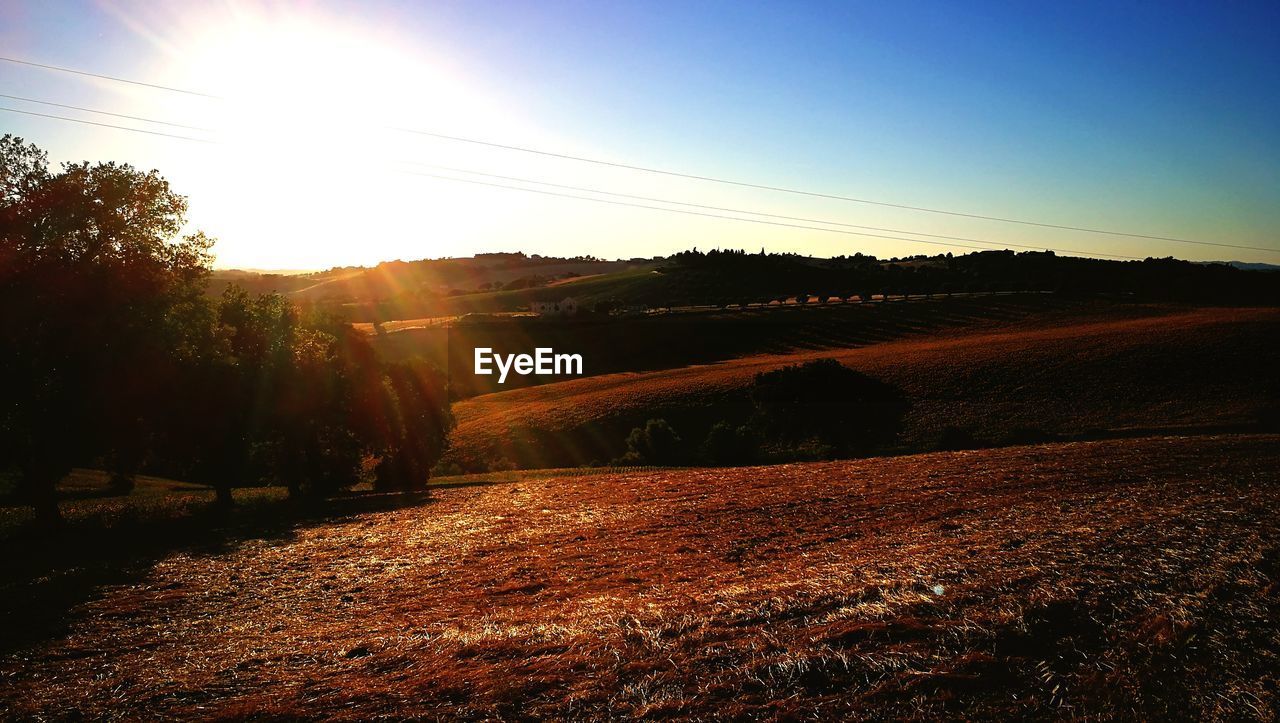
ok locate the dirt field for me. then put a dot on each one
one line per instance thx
(1132, 578)
(1168, 368)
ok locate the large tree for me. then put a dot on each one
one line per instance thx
(111, 353)
(99, 300)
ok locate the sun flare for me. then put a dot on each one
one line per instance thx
(316, 106)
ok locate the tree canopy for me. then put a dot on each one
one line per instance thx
(112, 355)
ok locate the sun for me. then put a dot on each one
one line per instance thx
(309, 163)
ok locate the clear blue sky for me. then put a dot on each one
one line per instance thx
(1155, 118)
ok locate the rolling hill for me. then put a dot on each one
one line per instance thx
(1164, 367)
(508, 282)
(665, 341)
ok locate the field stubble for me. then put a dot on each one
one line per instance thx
(1131, 578)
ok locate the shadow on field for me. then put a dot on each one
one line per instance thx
(45, 574)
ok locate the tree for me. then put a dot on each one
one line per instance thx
(111, 355)
(727, 444)
(301, 400)
(97, 295)
(656, 443)
(826, 400)
(407, 421)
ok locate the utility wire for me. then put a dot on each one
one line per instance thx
(61, 69)
(697, 177)
(527, 190)
(517, 188)
(815, 194)
(690, 213)
(103, 112)
(762, 213)
(989, 246)
(574, 188)
(109, 125)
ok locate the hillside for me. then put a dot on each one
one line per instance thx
(508, 282)
(666, 341)
(430, 287)
(595, 286)
(269, 283)
(1130, 578)
(734, 277)
(1147, 367)
(402, 289)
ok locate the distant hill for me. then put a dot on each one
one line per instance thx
(508, 282)
(1246, 265)
(257, 282)
(270, 272)
(426, 286)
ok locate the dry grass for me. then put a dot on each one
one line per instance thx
(87, 503)
(1128, 578)
(1175, 368)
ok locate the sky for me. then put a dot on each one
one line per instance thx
(1156, 119)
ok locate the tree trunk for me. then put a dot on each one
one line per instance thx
(38, 488)
(47, 513)
(122, 483)
(224, 499)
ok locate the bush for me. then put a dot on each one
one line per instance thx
(730, 445)
(121, 483)
(447, 468)
(1029, 435)
(656, 443)
(830, 402)
(955, 438)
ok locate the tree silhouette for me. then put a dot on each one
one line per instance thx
(656, 443)
(111, 355)
(826, 400)
(95, 290)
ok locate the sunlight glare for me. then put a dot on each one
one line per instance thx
(307, 155)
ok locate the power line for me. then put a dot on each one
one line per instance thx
(109, 125)
(815, 194)
(993, 244)
(690, 213)
(103, 112)
(697, 177)
(989, 244)
(61, 69)
(518, 188)
(523, 180)
(762, 213)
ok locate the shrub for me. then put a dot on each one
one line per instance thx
(447, 468)
(830, 402)
(1029, 435)
(955, 438)
(730, 445)
(656, 443)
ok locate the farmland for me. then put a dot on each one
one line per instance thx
(1105, 373)
(1133, 578)
(645, 343)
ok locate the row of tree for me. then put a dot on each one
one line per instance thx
(737, 277)
(112, 355)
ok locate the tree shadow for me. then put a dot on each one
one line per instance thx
(46, 574)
